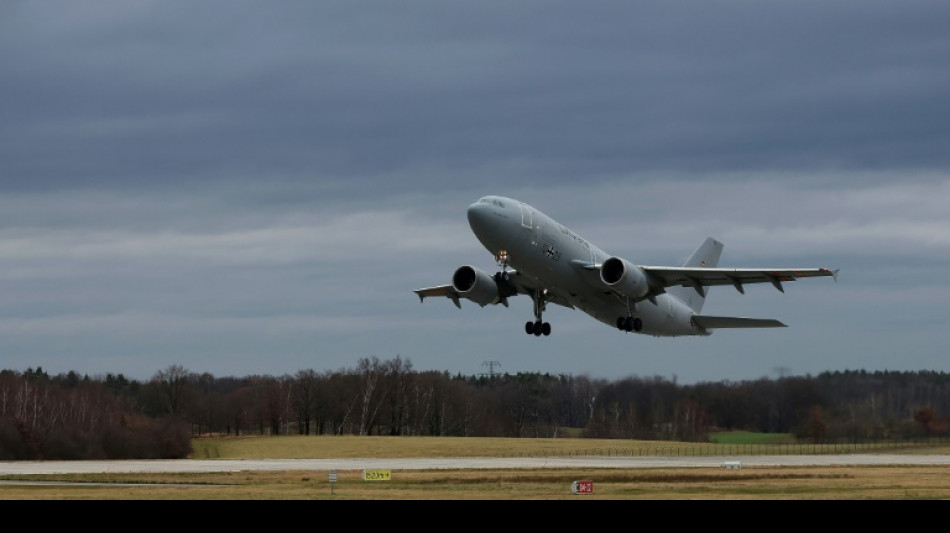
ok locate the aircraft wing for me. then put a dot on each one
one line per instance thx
(737, 277)
(514, 285)
(447, 291)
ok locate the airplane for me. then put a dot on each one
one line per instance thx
(554, 265)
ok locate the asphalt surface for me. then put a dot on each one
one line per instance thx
(326, 465)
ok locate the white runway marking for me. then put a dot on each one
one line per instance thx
(325, 465)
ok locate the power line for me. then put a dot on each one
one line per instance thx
(491, 368)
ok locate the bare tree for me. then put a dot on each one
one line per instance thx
(370, 371)
(346, 395)
(173, 385)
(306, 397)
(276, 406)
(400, 377)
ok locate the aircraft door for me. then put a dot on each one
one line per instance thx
(527, 217)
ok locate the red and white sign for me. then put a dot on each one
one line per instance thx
(583, 487)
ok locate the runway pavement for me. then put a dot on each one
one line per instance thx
(326, 465)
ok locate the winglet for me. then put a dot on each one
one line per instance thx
(833, 273)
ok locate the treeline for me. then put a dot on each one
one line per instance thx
(71, 416)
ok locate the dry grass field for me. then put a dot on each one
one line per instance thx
(788, 483)
(844, 483)
(349, 447)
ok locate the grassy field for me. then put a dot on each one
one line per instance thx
(881, 483)
(348, 447)
(743, 437)
(831, 483)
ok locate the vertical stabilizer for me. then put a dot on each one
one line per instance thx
(706, 256)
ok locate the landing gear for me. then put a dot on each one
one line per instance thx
(630, 324)
(539, 327)
(502, 259)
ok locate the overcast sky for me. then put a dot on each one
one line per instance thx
(249, 188)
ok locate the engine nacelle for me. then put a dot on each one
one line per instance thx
(477, 286)
(625, 278)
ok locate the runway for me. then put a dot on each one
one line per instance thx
(327, 465)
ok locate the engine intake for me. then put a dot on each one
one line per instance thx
(476, 285)
(625, 278)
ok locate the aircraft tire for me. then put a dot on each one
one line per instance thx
(529, 328)
(546, 329)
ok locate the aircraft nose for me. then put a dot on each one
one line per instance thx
(481, 217)
(478, 213)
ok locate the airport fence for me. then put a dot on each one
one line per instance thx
(941, 445)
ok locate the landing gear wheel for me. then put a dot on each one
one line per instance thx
(630, 324)
(539, 327)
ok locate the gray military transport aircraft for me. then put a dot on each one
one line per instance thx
(552, 264)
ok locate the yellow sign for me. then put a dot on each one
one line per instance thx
(377, 475)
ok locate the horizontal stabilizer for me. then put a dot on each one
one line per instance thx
(717, 322)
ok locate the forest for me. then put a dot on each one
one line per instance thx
(72, 416)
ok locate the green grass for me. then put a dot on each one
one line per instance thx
(744, 437)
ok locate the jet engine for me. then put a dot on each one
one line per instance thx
(625, 278)
(476, 285)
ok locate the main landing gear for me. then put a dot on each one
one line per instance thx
(630, 324)
(539, 327)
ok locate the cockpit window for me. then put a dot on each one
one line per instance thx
(494, 202)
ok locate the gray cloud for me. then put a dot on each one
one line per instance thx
(249, 188)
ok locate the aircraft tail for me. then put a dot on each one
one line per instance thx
(706, 256)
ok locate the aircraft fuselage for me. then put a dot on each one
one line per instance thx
(552, 256)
